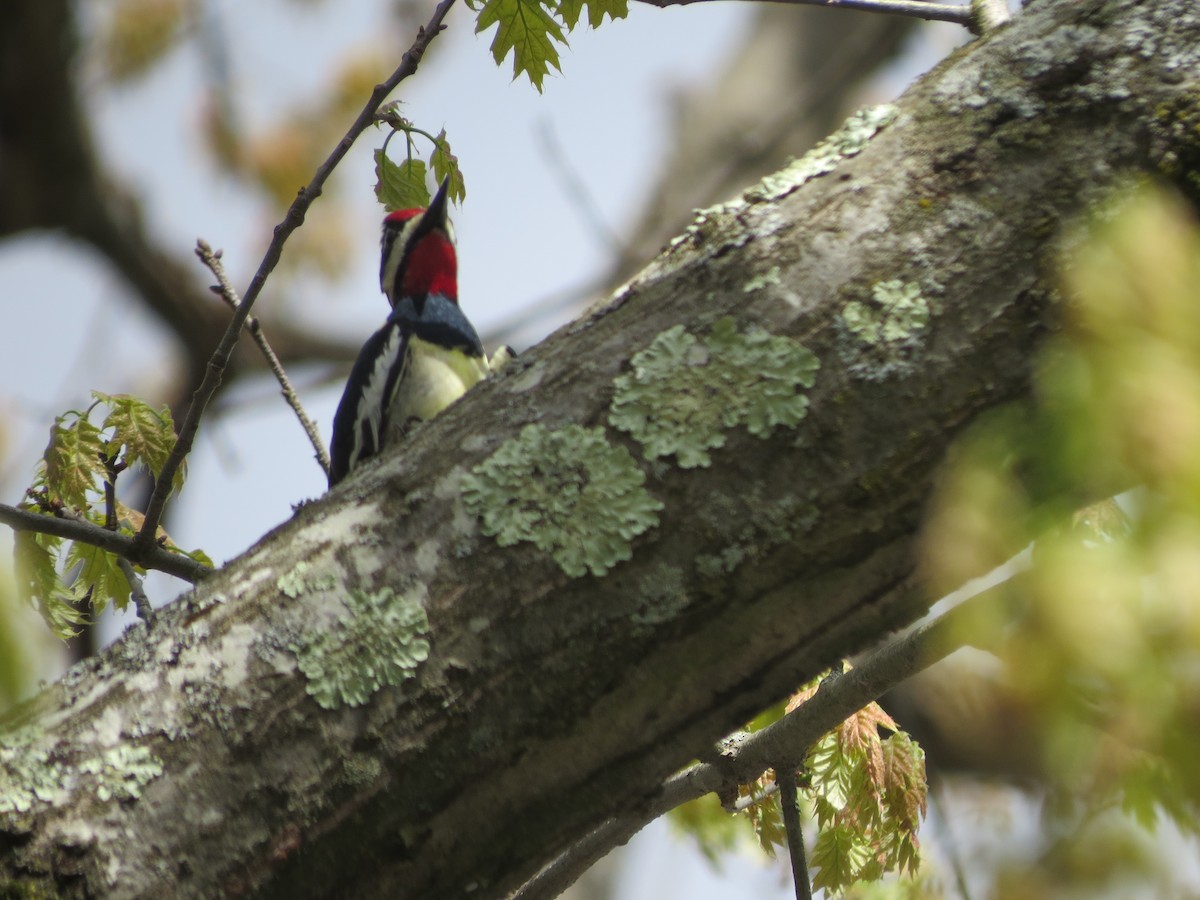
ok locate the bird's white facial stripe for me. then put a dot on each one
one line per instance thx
(387, 274)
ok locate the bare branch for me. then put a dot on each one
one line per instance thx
(227, 292)
(154, 557)
(939, 12)
(140, 601)
(291, 221)
(790, 801)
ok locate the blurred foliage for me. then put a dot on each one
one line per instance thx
(77, 480)
(137, 34)
(1101, 634)
(16, 656)
(864, 785)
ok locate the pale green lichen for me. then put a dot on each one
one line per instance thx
(898, 314)
(769, 278)
(27, 774)
(292, 583)
(303, 578)
(663, 596)
(684, 394)
(881, 336)
(122, 771)
(847, 141)
(569, 492)
(379, 640)
(711, 566)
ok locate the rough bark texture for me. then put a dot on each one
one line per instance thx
(193, 761)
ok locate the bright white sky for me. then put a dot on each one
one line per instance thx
(66, 326)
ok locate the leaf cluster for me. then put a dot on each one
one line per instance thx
(77, 479)
(863, 784)
(403, 185)
(867, 782)
(533, 30)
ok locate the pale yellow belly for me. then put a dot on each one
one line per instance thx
(435, 378)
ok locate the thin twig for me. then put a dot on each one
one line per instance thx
(110, 502)
(228, 293)
(122, 545)
(789, 799)
(291, 221)
(140, 601)
(940, 12)
(576, 188)
(782, 745)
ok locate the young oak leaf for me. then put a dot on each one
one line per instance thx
(143, 435)
(766, 816)
(905, 788)
(73, 459)
(99, 574)
(526, 29)
(839, 856)
(37, 577)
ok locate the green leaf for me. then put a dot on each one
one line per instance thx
(73, 459)
(904, 781)
(445, 165)
(766, 818)
(400, 186)
(35, 556)
(839, 855)
(145, 436)
(197, 555)
(569, 10)
(831, 771)
(100, 574)
(526, 29)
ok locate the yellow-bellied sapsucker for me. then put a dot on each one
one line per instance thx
(426, 355)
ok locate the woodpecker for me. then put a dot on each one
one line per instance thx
(426, 355)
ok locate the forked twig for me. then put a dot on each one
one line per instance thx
(224, 289)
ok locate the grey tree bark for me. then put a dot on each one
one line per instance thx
(193, 759)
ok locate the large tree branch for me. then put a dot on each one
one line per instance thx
(536, 703)
(782, 745)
